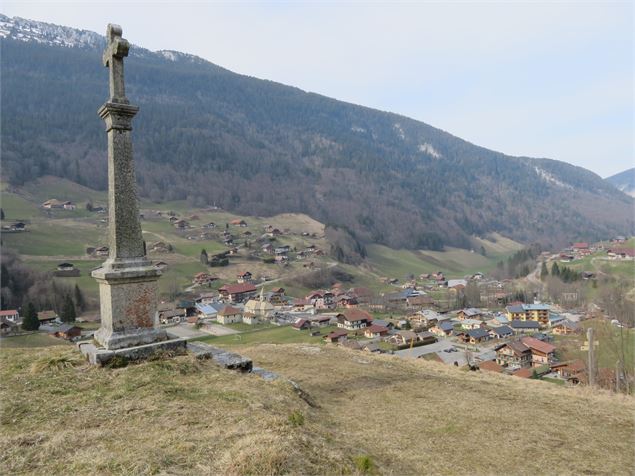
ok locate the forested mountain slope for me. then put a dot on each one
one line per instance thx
(624, 181)
(257, 147)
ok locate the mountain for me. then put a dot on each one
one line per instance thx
(624, 181)
(257, 147)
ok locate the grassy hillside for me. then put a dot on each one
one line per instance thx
(371, 414)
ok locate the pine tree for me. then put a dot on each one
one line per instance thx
(203, 257)
(68, 313)
(1, 214)
(80, 303)
(555, 270)
(544, 272)
(30, 322)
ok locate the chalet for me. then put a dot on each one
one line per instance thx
(267, 248)
(7, 327)
(354, 319)
(501, 332)
(281, 250)
(565, 327)
(442, 329)
(371, 347)
(321, 321)
(67, 331)
(344, 300)
(203, 278)
(457, 283)
(476, 336)
(206, 311)
(580, 246)
(375, 330)
(542, 353)
(237, 292)
(11, 315)
(302, 305)
(301, 324)
(245, 277)
(54, 203)
(276, 297)
(404, 338)
(47, 317)
(571, 370)
(181, 224)
(334, 337)
(210, 225)
(621, 253)
(522, 327)
(490, 366)
(513, 355)
(229, 315)
(470, 313)
(66, 270)
(417, 302)
(363, 295)
(241, 223)
(172, 316)
(469, 324)
(426, 338)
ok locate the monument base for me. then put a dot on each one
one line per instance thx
(101, 356)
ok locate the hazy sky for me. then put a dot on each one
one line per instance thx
(548, 79)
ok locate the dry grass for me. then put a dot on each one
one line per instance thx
(375, 414)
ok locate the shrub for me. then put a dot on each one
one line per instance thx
(364, 464)
(296, 418)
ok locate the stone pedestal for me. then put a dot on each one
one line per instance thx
(128, 299)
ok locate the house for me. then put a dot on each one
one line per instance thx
(471, 313)
(321, 321)
(513, 355)
(371, 347)
(354, 319)
(565, 327)
(580, 246)
(101, 251)
(241, 223)
(301, 324)
(206, 311)
(417, 302)
(334, 337)
(522, 327)
(501, 332)
(11, 315)
(54, 203)
(8, 327)
(442, 329)
(66, 270)
(46, 317)
(457, 283)
(375, 330)
(469, 324)
(346, 301)
(237, 292)
(621, 253)
(203, 278)
(475, 336)
(542, 353)
(194, 320)
(426, 337)
(302, 305)
(229, 315)
(404, 338)
(172, 316)
(571, 370)
(245, 277)
(490, 366)
(251, 318)
(181, 224)
(67, 331)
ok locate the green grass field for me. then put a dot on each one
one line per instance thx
(269, 335)
(31, 340)
(55, 239)
(611, 340)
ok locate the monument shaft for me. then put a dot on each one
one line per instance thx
(127, 281)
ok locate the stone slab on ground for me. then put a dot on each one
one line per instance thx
(228, 360)
(100, 356)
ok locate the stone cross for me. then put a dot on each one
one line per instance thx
(116, 50)
(127, 280)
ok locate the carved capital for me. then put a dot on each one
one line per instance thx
(118, 116)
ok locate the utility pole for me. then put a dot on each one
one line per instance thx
(591, 357)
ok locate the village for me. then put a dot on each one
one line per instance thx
(503, 335)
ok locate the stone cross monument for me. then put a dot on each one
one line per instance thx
(127, 280)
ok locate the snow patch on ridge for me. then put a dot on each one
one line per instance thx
(547, 177)
(399, 131)
(428, 149)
